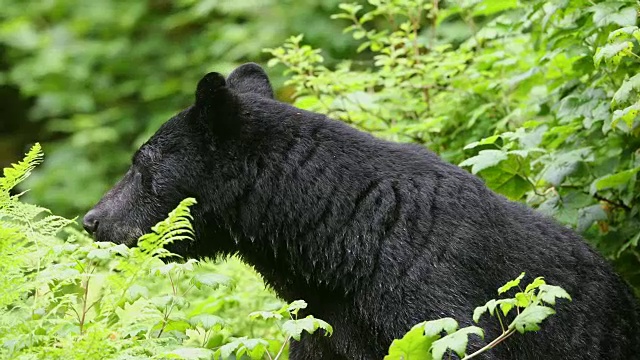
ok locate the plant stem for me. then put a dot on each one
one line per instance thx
(492, 344)
(284, 344)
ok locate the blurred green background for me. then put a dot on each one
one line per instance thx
(93, 80)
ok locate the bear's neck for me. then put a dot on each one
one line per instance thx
(311, 219)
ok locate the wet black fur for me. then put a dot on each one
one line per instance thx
(376, 236)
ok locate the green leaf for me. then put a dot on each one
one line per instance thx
(549, 294)
(294, 328)
(628, 88)
(207, 321)
(490, 7)
(489, 307)
(210, 280)
(295, 306)
(510, 284)
(135, 291)
(188, 353)
(588, 215)
(506, 305)
(612, 53)
(456, 341)
(265, 315)
(628, 115)
(530, 318)
(609, 12)
(486, 141)
(613, 180)
(535, 284)
(627, 32)
(485, 159)
(435, 327)
(414, 345)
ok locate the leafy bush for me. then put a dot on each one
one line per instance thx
(532, 306)
(539, 98)
(67, 297)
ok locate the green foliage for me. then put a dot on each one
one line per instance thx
(538, 98)
(425, 340)
(67, 297)
(102, 76)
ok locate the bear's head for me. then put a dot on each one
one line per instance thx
(208, 151)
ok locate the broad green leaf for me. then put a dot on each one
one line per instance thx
(530, 318)
(535, 284)
(612, 53)
(296, 305)
(610, 12)
(456, 341)
(613, 180)
(628, 115)
(265, 315)
(506, 305)
(485, 159)
(549, 294)
(486, 141)
(294, 328)
(414, 345)
(435, 327)
(588, 215)
(510, 284)
(624, 33)
(628, 91)
(489, 307)
(210, 280)
(207, 321)
(188, 353)
(135, 291)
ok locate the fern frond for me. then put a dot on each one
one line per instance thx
(176, 227)
(13, 175)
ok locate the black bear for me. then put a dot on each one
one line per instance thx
(376, 236)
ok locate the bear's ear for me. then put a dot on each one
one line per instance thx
(250, 78)
(216, 105)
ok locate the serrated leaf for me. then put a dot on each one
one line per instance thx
(628, 91)
(506, 305)
(613, 180)
(266, 315)
(188, 353)
(628, 115)
(522, 300)
(294, 328)
(210, 280)
(489, 307)
(295, 306)
(530, 318)
(510, 284)
(207, 321)
(456, 341)
(435, 327)
(588, 215)
(135, 291)
(612, 53)
(535, 284)
(485, 159)
(413, 345)
(549, 294)
(607, 13)
(624, 33)
(486, 141)
(100, 254)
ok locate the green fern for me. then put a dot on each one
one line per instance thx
(18, 172)
(176, 227)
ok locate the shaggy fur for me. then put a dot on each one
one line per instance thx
(376, 236)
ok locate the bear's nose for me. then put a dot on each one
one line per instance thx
(90, 222)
